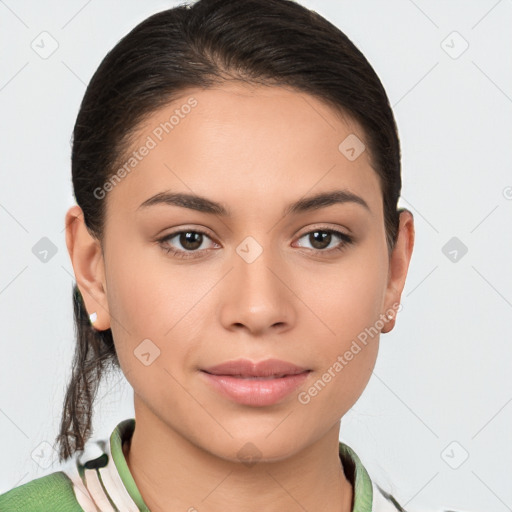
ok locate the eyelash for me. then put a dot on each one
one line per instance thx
(347, 240)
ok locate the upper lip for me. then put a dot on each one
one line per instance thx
(247, 368)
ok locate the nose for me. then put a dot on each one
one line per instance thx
(257, 296)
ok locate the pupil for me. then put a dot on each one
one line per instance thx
(322, 237)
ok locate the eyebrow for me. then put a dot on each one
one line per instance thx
(205, 205)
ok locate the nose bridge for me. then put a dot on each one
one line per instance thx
(258, 297)
(257, 262)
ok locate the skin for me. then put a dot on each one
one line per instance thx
(255, 149)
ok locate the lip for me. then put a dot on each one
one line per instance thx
(258, 384)
(247, 368)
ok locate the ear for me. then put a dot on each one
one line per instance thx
(88, 264)
(398, 266)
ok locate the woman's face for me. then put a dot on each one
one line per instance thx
(257, 282)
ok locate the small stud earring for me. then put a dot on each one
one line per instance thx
(93, 317)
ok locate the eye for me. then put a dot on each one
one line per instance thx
(190, 239)
(321, 238)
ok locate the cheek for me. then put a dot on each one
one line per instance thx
(146, 326)
(146, 296)
(346, 357)
(154, 311)
(350, 308)
(349, 299)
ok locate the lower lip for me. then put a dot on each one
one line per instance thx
(256, 392)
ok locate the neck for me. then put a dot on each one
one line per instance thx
(174, 474)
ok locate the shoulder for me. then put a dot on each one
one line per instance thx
(50, 492)
(368, 494)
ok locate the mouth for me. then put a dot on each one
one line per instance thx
(256, 384)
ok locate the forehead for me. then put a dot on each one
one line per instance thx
(239, 142)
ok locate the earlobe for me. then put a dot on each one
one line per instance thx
(399, 264)
(86, 257)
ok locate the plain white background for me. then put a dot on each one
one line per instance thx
(434, 423)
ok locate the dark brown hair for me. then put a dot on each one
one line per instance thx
(270, 42)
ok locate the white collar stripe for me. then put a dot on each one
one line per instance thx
(96, 490)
